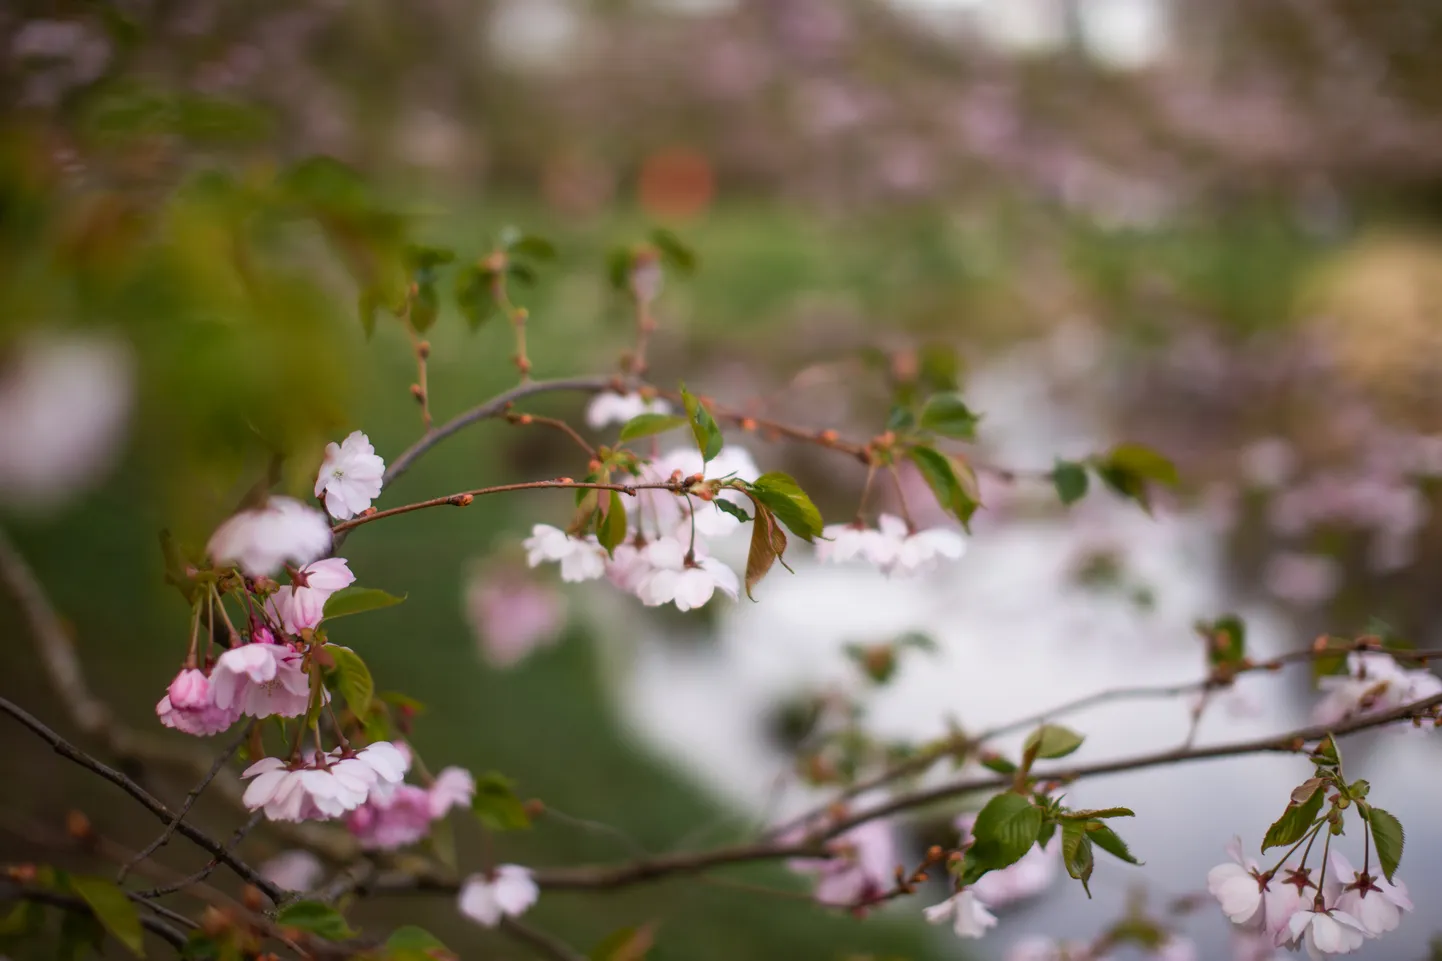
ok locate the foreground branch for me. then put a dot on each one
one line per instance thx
(67, 750)
(10, 891)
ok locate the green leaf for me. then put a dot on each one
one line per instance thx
(353, 679)
(1005, 829)
(1070, 480)
(1047, 830)
(321, 920)
(402, 701)
(948, 415)
(81, 935)
(613, 526)
(24, 919)
(1294, 823)
(1092, 814)
(522, 272)
(529, 245)
(1052, 741)
(1226, 639)
(473, 296)
(789, 503)
(768, 542)
(1387, 838)
(734, 510)
(900, 418)
(618, 268)
(1326, 753)
(703, 426)
(1129, 469)
(645, 425)
(1109, 841)
(625, 944)
(113, 909)
(998, 764)
(200, 947)
(673, 251)
(358, 600)
(419, 257)
(496, 805)
(941, 477)
(425, 308)
(1076, 852)
(410, 943)
(367, 304)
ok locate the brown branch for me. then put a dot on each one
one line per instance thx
(67, 750)
(491, 408)
(463, 498)
(526, 420)
(10, 891)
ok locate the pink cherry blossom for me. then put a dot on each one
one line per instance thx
(1252, 945)
(454, 787)
(1374, 684)
(301, 604)
(261, 680)
(609, 407)
(296, 870)
(1376, 903)
(969, 917)
(261, 540)
(513, 614)
(201, 721)
(581, 558)
(687, 584)
(508, 891)
(670, 512)
(190, 691)
(322, 786)
(350, 476)
(862, 867)
(392, 819)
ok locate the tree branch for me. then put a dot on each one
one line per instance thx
(67, 750)
(10, 891)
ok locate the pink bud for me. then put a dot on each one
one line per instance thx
(190, 691)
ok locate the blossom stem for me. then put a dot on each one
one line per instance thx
(1366, 846)
(901, 498)
(865, 492)
(525, 420)
(225, 616)
(1318, 902)
(645, 326)
(1293, 850)
(190, 655)
(459, 499)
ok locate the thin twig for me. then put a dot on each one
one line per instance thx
(214, 862)
(547, 944)
(463, 498)
(185, 806)
(67, 750)
(526, 420)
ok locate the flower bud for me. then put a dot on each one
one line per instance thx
(748, 423)
(463, 500)
(252, 898)
(78, 826)
(418, 394)
(534, 808)
(423, 350)
(24, 873)
(828, 436)
(190, 691)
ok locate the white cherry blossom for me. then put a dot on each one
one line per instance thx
(282, 531)
(581, 558)
(609, 407)
(350, 476)
(968, 916)
(1373, 901)
(1326, 932)
(688, 585)
(508, 891)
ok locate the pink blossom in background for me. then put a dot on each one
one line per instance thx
(508, 891)
(391, 819)
(65, 402)
(608, 408)
(1268, 463)
(863, 866)
(1305, 580)
(1252, 946)
(1032, 874)
(296, 870)
(513, 614)
(454, 787)
(580, 558)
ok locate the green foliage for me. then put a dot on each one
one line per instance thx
(735, 510)
(789, 503)
(612, 529)
(1297, 819)
(496, 804)
(1131, 469)
(112, 909)
(1005, 829)
(1109, 841)
(645, 425)
(318, 919)
(352, 679)
(411, 943)
(674, 252)
(1226, 640)
(955, 491)
(1076, 852)
(948, 415)
(1070, 480)
(703, 426)
(1387, 837)
(625, 944)
(358, 600)
(1052, 741)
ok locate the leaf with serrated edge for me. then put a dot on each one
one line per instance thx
(613, 526)
(1004, 830)
(1294, 823)
(1109, 841)
(646, 425)
(322, 920)
(358, 600)
(768, 542)
(703, 426)
(1053, 741)
(1387, 838)
(789, 503)
(1076, 850)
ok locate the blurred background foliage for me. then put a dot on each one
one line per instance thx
(219, 186)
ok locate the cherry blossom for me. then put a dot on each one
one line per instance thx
(969, 917)
(296, 870)
(261, 680)
(844, 543)
(508, 891)
(350, 476)
(861, 869)
(64, 402)
(628, 567)
(513, 614)
(260, 540)
(671, 512)
(202, 720)
(1250, 899)
(1374, 684)
(1037, 947)
(1324, 932)
(581, 558)
(1373, 901)
(190, 691)
(686, 583)
(454, 787)
(609, 407)
(391, 819)
(1305, 580)
(1029, 876)
(300, 605)
(1253, 945)
(322, 786)
(919, 551)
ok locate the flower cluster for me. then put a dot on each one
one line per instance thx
(323, 786)
(394, 816)
(892, 545)
(1374, 684)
